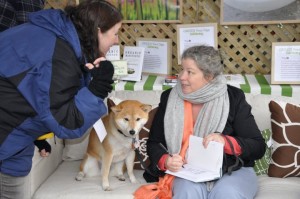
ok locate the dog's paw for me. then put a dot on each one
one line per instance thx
(121, 177)
(105, 185)
(133, 180)
(106, 188)
(79, 176)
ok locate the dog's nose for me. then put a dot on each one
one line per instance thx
(132, 132)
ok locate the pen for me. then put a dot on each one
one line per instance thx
(166, 150)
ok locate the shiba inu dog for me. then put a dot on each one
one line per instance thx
(123, 125)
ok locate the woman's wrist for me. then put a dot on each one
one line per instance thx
(162, 162)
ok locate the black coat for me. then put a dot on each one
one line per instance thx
(240, 125)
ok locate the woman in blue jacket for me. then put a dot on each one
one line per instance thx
(45, 71)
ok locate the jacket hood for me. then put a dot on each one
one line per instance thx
(56, 21)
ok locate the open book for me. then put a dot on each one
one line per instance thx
(203, 164)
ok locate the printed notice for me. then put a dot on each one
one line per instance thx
(113, 53)
(134, 57)
(157, 56)
(196, 35)
(120, 67)
(287, 63)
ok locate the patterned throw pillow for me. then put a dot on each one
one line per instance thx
(285, 123)
(143, 137)
(261, 166)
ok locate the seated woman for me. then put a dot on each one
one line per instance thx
(202, 104)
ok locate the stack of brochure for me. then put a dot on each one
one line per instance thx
(170, 80)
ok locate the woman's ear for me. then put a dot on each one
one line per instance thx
(209, 77)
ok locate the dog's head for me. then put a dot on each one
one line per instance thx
(130, 116)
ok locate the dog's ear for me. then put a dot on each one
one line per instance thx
(110, 103)
(116, 109)
(146, 107)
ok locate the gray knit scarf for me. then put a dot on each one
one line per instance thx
(212, 117)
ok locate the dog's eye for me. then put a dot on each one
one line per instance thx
(126, 119)
(138, 119)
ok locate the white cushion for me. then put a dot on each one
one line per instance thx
(260, 108)
(42, 167)
(273, 188)
(62, 184)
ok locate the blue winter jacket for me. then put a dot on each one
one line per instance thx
(42, 88)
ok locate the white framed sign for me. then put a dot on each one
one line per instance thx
(189, 35)
(285, 63)
(158, 55)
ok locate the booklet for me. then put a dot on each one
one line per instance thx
(203, 164)
(134, 57)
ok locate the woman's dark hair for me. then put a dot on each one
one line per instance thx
(88, 17)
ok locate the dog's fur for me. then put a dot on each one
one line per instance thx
(122, 124)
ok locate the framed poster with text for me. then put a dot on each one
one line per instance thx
(285, 63)
(157, 55)
(189, 35)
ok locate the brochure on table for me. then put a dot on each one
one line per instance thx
(120, 66)
(203, 164)
(113, 53)
(121, 69)
(235, 79)
(134, 57)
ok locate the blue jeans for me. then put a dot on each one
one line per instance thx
(241, 184)
(13, 187)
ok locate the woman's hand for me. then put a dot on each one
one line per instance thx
(102, 78)
(96, 63)
(44, 153)
(174, 163)
(217, 137)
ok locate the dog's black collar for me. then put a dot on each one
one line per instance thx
(122, 133)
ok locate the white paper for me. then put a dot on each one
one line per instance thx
(287, 63)
(134, 57)
(210, 158)
(120, 67)
(203, 164)
(113, 53)
(100, 130)
(156, 57)
(193, 36)
(235, 79)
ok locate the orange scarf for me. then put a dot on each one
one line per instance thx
(163, 188)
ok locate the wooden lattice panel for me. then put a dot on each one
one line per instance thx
(244, 48)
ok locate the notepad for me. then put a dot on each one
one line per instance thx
(203, 164)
